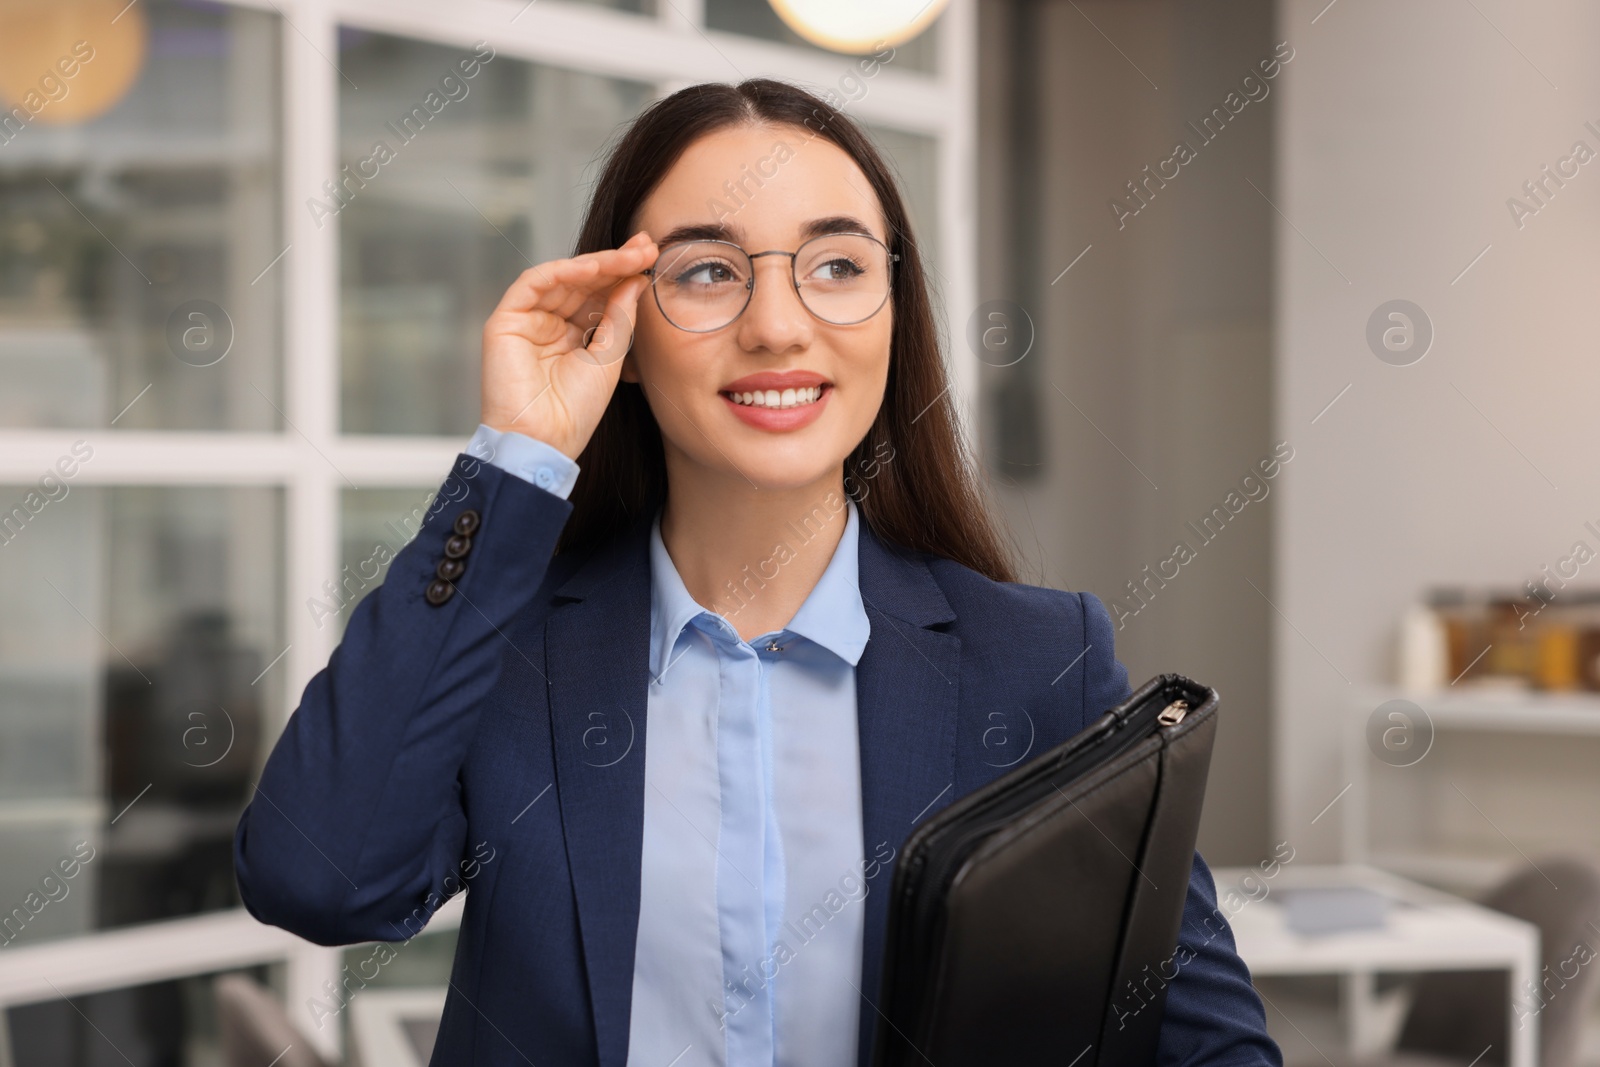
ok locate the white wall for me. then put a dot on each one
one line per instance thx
(1402, 130)
(1152, 374)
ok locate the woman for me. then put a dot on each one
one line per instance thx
(671, 718)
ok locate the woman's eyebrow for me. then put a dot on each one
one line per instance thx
(732, 232)
(700, 231)
(835, 224)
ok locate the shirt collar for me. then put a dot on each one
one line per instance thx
(831, 616)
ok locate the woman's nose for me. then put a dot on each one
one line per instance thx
(775, 318)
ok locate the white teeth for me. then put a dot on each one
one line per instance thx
(772, 398)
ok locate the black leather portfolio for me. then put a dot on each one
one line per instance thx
(1020, 914)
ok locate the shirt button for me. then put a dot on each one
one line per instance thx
(544, 478)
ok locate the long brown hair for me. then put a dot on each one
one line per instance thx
(927, 496)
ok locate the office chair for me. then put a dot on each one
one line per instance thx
(1456, 1015)
(256, 1029)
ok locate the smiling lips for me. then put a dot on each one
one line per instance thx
(772, 398)
(778, 401)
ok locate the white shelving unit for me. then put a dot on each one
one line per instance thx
(1509, 775)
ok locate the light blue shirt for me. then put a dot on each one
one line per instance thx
(751, 911)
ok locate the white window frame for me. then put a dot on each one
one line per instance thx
(310, 459)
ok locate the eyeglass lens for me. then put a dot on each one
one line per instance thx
(705, 285)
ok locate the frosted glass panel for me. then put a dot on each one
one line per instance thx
(463, 169)
(138, 223)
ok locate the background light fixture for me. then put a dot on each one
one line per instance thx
(858, 26)
(36, 36)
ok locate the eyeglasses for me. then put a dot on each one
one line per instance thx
(841, 278)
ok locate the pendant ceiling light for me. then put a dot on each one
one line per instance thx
(68, 61)
(858, 26)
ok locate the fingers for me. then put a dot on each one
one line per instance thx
(609, 340)
(581, 326)
(592, 282)
(561, 286)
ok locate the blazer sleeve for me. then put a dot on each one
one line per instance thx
(357, 823)
(1214, 1017)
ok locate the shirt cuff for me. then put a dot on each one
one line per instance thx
(531, 460)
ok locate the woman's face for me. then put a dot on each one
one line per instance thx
(697, 383)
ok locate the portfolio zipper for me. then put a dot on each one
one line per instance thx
(1173, 713)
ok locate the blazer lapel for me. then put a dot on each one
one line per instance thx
(907, 696)
(597, 656)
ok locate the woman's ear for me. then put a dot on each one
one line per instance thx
(630, 370)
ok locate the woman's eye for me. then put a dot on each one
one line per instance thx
(706, 274)
(839, 270)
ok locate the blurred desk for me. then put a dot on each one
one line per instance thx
(394, 1027)
(1425, 930)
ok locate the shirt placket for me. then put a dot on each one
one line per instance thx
(744, 840)
(775, 874)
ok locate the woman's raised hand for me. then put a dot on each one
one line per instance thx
(553, 348)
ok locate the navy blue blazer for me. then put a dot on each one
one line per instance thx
(495, 741)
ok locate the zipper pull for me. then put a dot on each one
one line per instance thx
(1173, 713)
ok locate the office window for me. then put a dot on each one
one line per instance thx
(133, 695)
(267, 391)
(131, 242)
(160, 1023)
(914, 159)
(467, 199)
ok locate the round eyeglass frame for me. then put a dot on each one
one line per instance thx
(750, 284)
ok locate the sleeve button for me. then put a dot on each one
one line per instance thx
(544, 478)
(439, 591)
(467, 523)
(457, 546)
(449, 569)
